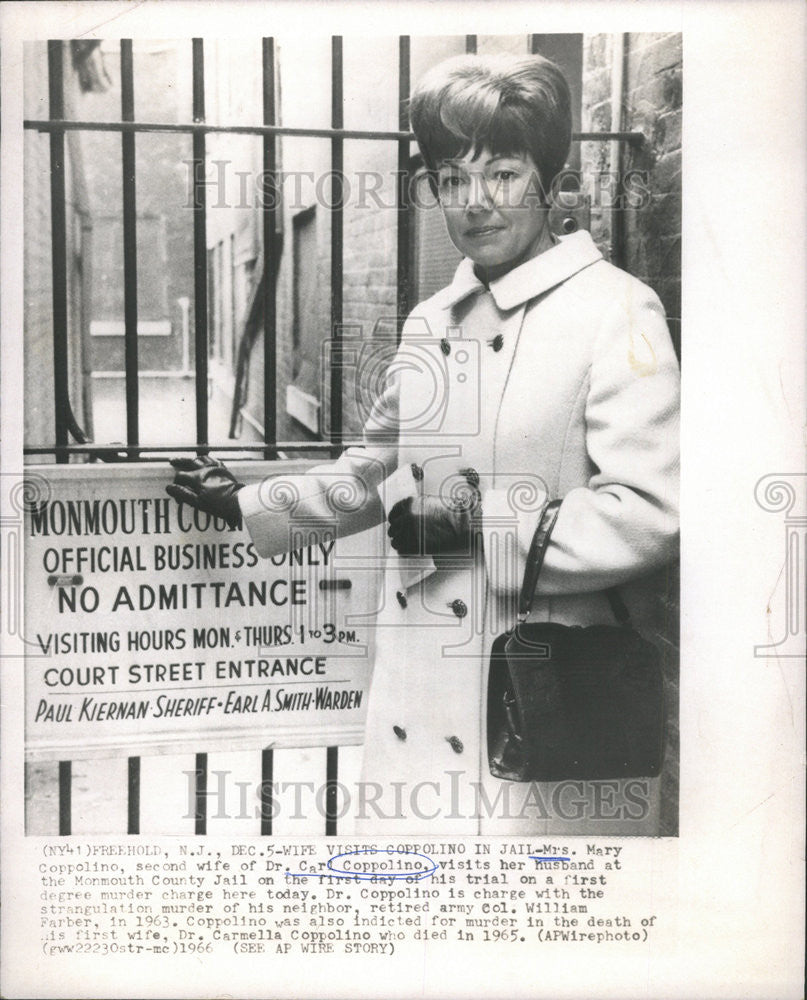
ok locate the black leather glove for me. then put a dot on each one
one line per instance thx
(430, 525)
(206, 484)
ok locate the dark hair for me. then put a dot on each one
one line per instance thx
(511, 104)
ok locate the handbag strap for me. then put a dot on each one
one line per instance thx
(535, 560)
(535, 557)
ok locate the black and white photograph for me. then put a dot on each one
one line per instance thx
(376, 449)
(443, 254)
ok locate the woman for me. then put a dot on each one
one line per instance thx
(558, 380)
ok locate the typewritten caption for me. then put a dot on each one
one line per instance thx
(340, 898)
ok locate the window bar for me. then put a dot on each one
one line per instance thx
(133, 806)
(331, 789)
(193, 128)
(59, 247)
(129, 246)
(65, 795)
(616, 164)
(201, 794)
(404, 214)
(200, 242)
(219, 335)
(83, 125)
(470, 44)
(114, 452)
(232, 355)
(267, 802)
(337, 219)
(337, 209)
(270, 262)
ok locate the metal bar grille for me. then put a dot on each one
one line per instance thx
(331, 790)
(337, 232)
(112, 451)
(404, 214)
(196, 128)
(337, 223)
(65, 795)
(73, 125)
(267, 776)
(200, 243)
(129, 245)
(200, 828)
(59, 241)
(133, 803)
(269, 211)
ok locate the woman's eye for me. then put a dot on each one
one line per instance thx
(505, 175)
(451, 181)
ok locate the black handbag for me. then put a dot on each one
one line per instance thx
(570, 702)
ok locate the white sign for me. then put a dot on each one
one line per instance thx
(151, 626)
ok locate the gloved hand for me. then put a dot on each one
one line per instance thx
(207, 485)
(430, 525)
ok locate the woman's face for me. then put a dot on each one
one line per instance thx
(493, 209)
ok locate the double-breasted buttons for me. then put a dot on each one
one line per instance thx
(417, 472)
(496, 342)
(460, 608)
(445, 347)
(401, 598)
(400, 732)
(455, 743)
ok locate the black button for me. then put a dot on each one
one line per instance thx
(417, 472)
(401, 598)
(455, 743)
(497, 343)
(471, 477)
(445, 347)
(399, 732)
(460, 608)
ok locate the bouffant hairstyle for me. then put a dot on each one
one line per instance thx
(510, 104)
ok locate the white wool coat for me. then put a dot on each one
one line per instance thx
(560, 380)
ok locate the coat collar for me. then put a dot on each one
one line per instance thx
(534, 276)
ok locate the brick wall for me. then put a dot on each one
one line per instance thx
(651, 104)
(654, 106)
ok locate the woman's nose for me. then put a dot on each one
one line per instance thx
(479, 195)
